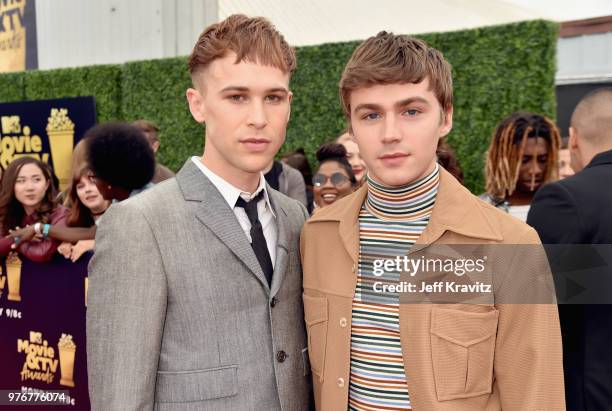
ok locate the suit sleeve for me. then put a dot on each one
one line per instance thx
(528, 352)
(126, 312)
(554, 215)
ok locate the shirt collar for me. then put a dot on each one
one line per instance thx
(231, 193)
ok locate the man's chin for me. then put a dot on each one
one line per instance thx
(394, 180)
(256, 166)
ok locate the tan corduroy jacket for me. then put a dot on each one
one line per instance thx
(456, 356)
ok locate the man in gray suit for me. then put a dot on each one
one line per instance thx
(195, 286)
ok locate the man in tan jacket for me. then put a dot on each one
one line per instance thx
(379, 336)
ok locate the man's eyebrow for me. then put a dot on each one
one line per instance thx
(278, 90)
(367, 106)
(401, 103)
(410, 100)
(234, 88)
(243, 89)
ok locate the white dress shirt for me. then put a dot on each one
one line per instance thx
(267, 218)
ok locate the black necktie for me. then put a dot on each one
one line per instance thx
(258, 241)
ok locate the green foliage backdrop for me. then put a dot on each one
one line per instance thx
(496, 70)
(102, 82)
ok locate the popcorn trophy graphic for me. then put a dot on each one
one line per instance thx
(67, 350)
(60, 130)
(13, 272)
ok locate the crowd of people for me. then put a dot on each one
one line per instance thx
(525, 153)
(110, 163)
(213, 280)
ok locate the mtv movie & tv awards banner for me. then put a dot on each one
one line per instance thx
(42, 305)
(45, 129)
(18, 45)
(42, 318)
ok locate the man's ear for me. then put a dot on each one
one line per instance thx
(572, 142)
(290, 98)
(155, 146)
(196, 104)
(447, 122)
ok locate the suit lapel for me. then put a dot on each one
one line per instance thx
(221, 220)
(283, 241)
(214, 213)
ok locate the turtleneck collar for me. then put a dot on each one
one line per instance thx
(410, 202)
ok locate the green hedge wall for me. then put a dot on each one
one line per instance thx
(11, 87)
(155, 90)
(102, 82)
(496, 70)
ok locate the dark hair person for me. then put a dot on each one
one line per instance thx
(523, 156)
(27, 198)
(298, 160)
(86, 206)
(448, 159)
(122, 164)
(334, 178)
(86, 202)
(121, 159)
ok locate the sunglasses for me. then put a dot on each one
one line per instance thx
(337, 179)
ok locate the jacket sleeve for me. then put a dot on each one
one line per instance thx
(5, 245)
(41, 251)
(554, 215)
(528, 353)
(126, 312)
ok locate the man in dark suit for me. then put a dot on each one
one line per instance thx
(578, 210)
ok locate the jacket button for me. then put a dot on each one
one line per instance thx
(273, 302)
(281, 356)
(343, 322)
(354, 268)
(340, 382)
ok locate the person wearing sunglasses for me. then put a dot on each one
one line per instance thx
(334, 178)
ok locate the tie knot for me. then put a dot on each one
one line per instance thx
(250, 207)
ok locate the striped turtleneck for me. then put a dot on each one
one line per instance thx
(410, 202)
(390, 221)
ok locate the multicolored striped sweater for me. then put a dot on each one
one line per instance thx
(390, 222)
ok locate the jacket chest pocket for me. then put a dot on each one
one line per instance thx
(315, 316)
(463, 349)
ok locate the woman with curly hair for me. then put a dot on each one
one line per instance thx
(334, 178)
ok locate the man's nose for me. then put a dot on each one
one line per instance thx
(536, 168)
(391, 132)
(257, 115)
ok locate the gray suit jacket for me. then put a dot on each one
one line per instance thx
(291, 183)
(180, 315)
